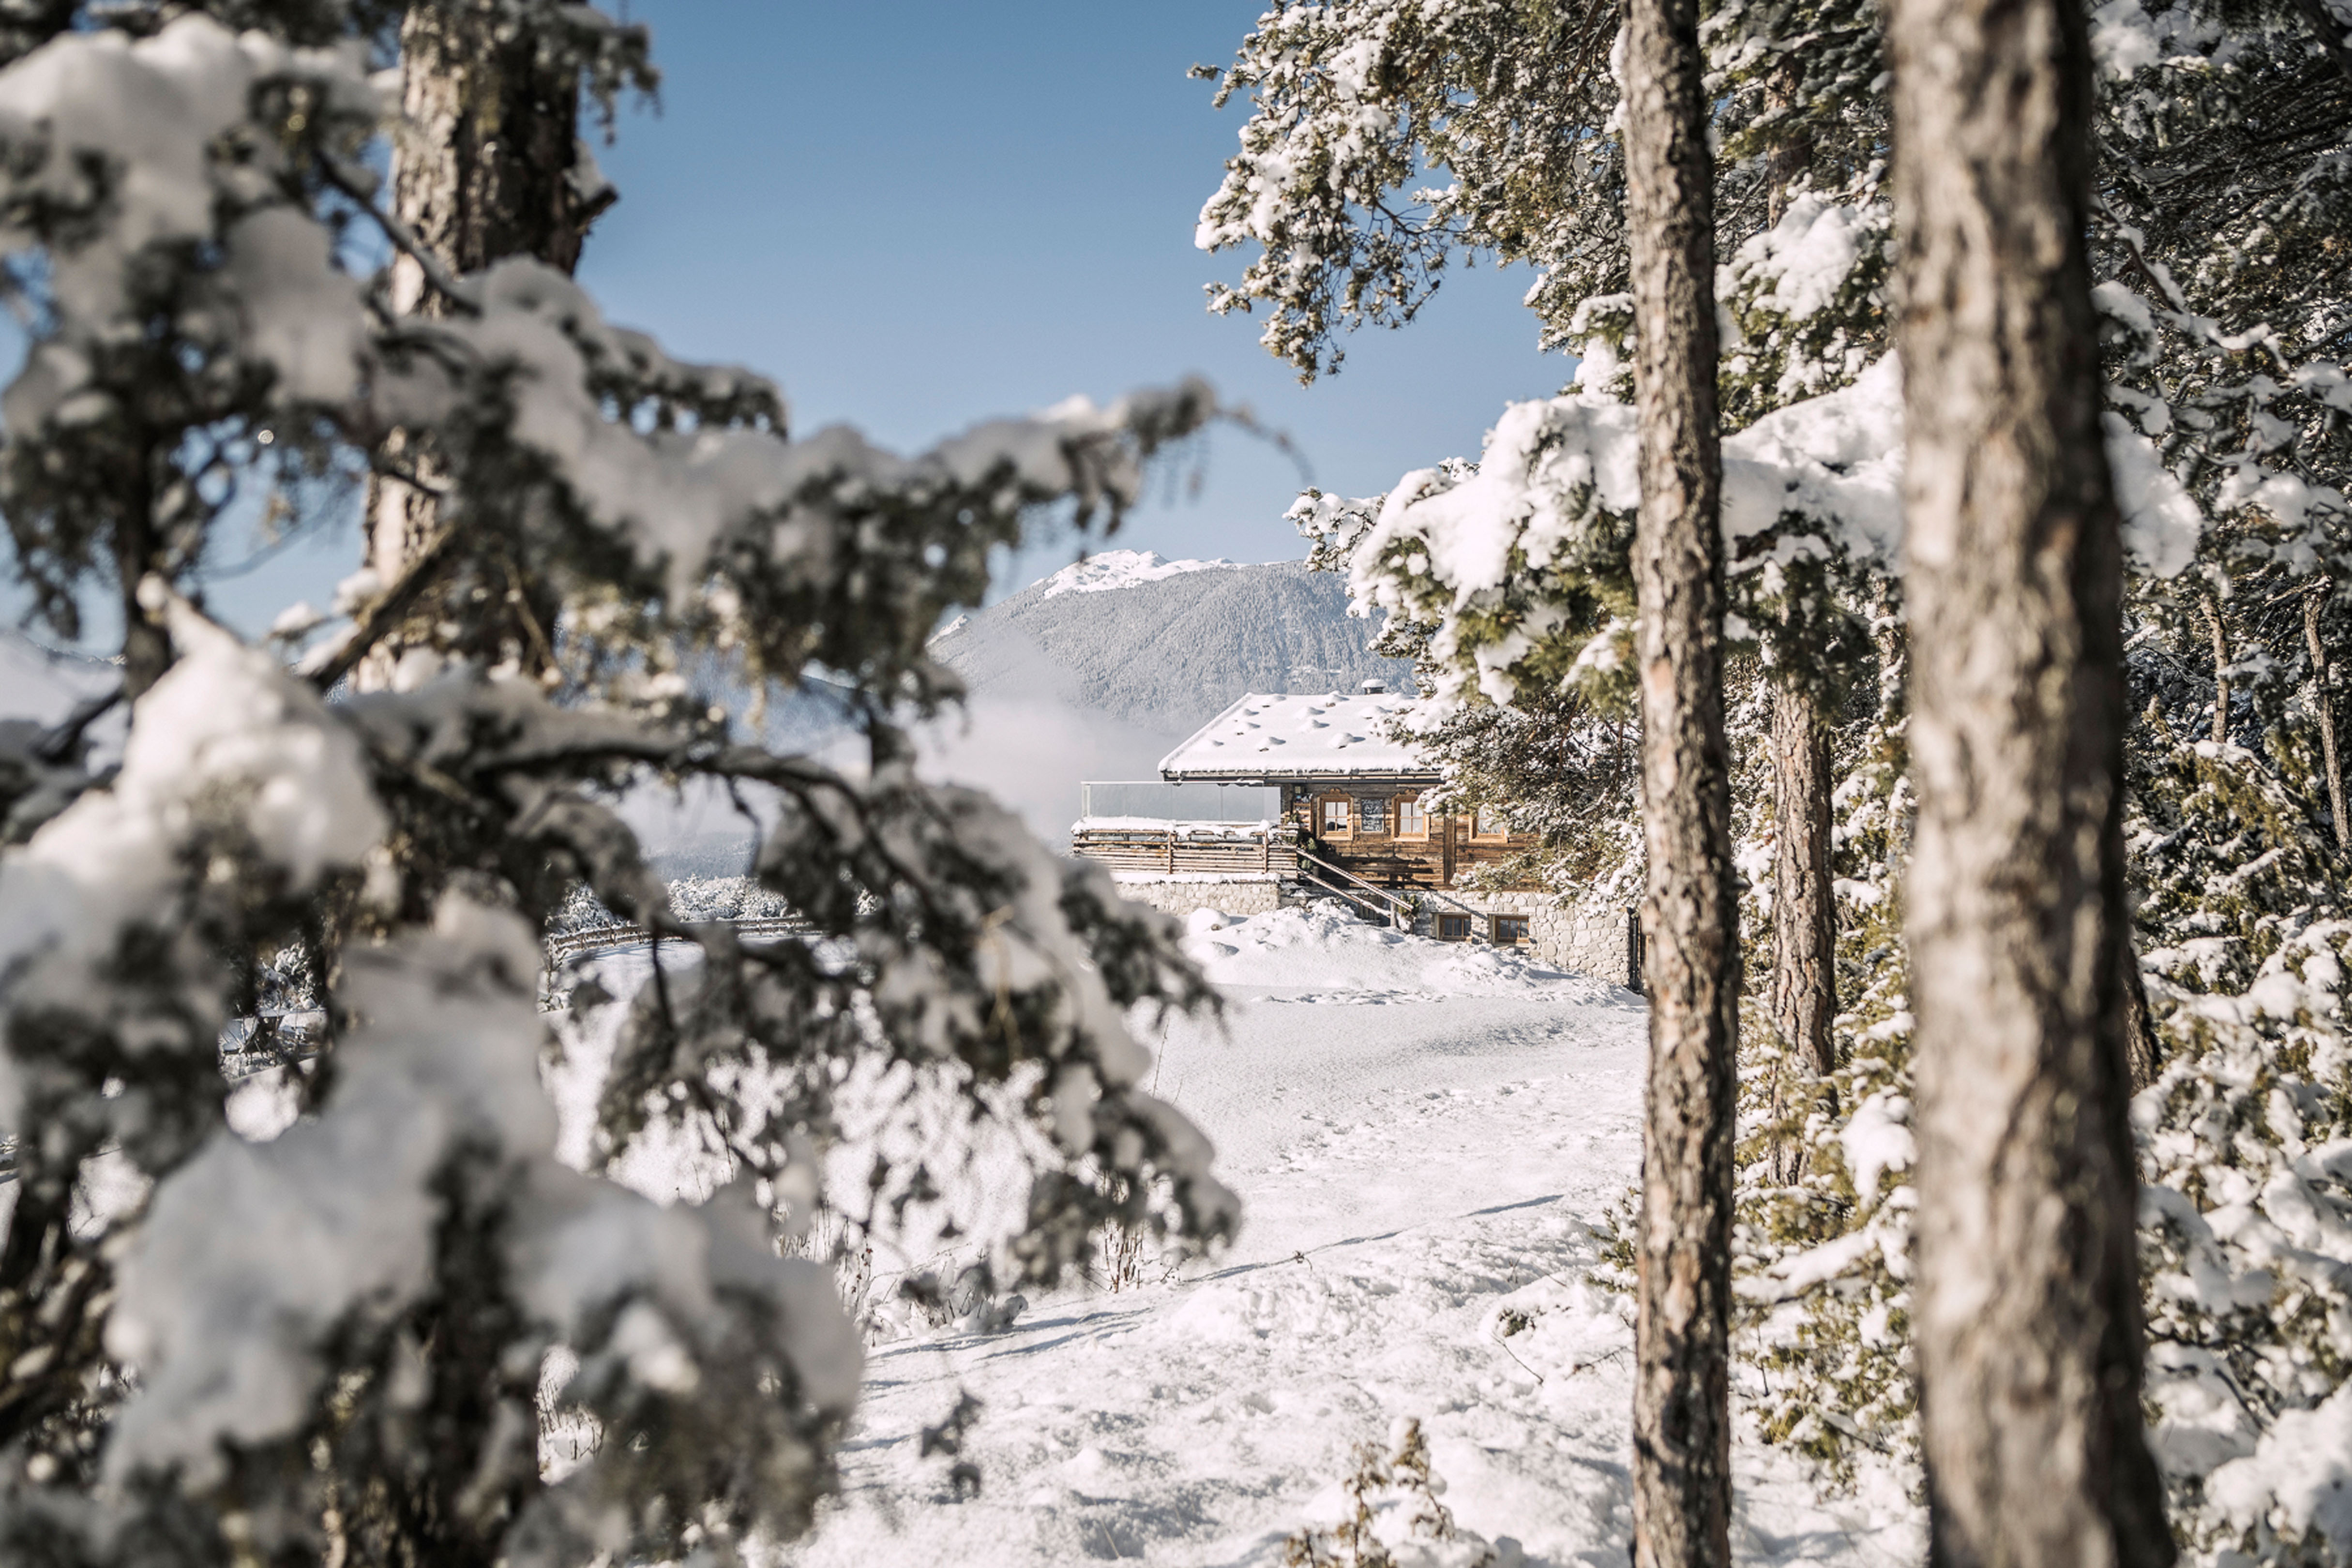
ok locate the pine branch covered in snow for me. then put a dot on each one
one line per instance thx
(319, 1335)
(1350, 103)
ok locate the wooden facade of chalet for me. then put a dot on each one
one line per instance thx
(1351, 795)
(1377, 829)
(1383, 837)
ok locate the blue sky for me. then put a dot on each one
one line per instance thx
(918, 215)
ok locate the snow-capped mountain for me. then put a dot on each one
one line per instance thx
(1167, 644)
(1115, 569)
(1097, 671)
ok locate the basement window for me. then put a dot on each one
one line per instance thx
(1510, 930)
(1453, 928)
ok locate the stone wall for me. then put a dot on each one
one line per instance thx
(1181, 894)
(1585, 939)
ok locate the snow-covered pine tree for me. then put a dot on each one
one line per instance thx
(232, 1339)
(2222, 138)
(2226, 133)
(1351, 102)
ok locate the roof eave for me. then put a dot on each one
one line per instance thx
(1269, 777)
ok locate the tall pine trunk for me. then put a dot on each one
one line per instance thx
(1681, 1439)
(487, 165)
(1804, 915)
(1804, 908)
(2027, 1315)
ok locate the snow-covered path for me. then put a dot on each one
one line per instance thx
(1338, 1121)
(1422, 1135)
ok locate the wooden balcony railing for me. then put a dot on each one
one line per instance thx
(1180, 847)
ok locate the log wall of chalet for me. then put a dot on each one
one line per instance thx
(1444, 845)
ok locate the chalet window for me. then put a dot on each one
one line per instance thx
(1412, 821)
(1488, 823)
(1371, 814)
(1453, 928)
(1335, 814)
(1510, 930)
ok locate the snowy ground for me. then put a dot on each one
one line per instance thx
(1422, 1134)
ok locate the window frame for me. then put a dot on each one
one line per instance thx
(1371, 813)
(1497, 921)
(1412, 801)
(1453, 928)
(1346, 826)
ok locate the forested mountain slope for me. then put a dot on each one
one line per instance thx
(1164, 645)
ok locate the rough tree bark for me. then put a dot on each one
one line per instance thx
(1682, 1449)
(2328, 32)
(485, 165)
(2027, 1316)
(2323, 700)
(1804, 916)
(1804, 909)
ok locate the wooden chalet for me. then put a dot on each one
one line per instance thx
(1349, 796)
(1330, 806)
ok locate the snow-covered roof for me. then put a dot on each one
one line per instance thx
(1294, 737)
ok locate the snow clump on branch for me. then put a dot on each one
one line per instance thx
(322, 1337)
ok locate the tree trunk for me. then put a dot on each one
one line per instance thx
(2027, 1316)
(1804, 916)
(2221, 671)
(1682, 1447)
(486, 166)
(2142, 1050)
(1804, 906)
(2323, 698)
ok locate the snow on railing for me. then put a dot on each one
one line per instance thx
(1168, 847)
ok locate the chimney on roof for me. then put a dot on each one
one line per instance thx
(1373, 688)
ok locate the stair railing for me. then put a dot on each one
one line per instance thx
(1373, 900)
